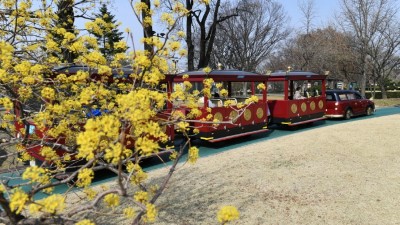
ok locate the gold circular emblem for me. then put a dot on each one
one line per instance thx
(164, 128)
(303, 107)
(233, 115)
(312, 105)
(218, 116)
(294, 108)
(320, 104)
(260, 113)
(247, 114)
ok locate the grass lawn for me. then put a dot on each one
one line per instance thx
(387, 102)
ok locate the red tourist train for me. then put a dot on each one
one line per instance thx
(273, 101)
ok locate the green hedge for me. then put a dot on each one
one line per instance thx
(378, 95)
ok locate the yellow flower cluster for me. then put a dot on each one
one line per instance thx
(6, 56)
(120, 45)
(129, 212)
(17, 200)
(48, 93)
(141, 196)
(151, 213)
(168, 19)
(193, 154)
(252, 99)
(111, 200)
(207, 70)
(99, 26)
(261, 86)
(141, 6)
(105, 128)
(194, 113)
(53, 204)
(49, 153)
(36, 174)
(174, 46)
(138, 174)
(146, 146)
(116, 152)
(227, 214)
(85, 177)
(7, 103)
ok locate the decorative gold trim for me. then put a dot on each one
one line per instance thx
(206, 138)
(233, 115)
(303, 107)
(320, 104)
(293, 108)
(247, 114)
(260, 113)
(218, 116)
(312, 105)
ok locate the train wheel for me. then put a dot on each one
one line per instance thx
(369, 111)
(348, 114)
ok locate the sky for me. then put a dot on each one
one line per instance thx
(324, 13)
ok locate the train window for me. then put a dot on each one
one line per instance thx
(276, 90)
(240, 89)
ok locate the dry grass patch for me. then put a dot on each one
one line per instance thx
(342, 174)
(387, 102)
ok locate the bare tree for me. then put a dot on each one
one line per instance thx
(384, 53)
(332, 51)
(245, 42)
(363, 19)
(206, 19)
(307, 8)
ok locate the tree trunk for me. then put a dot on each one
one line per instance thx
(383, 90)
(148, 29)
(363, 81)
(189, 40)
(66, 18)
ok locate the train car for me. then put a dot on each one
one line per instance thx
(225, 102)
(296, 97)
(34, 139)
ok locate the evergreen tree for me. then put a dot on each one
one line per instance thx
(107, 39)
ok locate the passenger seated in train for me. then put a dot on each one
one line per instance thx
(297, 94)
(201, 102)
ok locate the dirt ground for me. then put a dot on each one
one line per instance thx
(347, 173)
(342, 174)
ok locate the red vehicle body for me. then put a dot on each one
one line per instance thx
(240, 86)
(288, 111)
(275, 103)
(34, 139)
(346, 104)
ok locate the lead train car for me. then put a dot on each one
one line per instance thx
(234, 122)
(285, 110)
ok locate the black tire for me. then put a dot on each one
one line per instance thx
(369, 111)
(348, 114)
